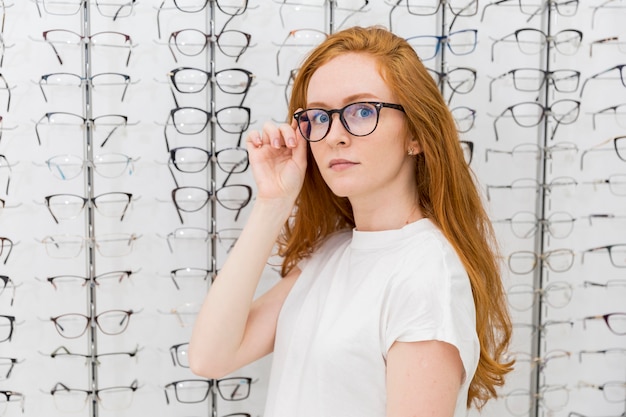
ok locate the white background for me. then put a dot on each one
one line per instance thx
(155, 328)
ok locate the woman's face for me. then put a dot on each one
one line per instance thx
(373, 166)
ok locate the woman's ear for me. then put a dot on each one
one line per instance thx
(414, 148)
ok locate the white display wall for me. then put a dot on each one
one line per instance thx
(569, 359)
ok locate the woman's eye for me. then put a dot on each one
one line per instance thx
(320, 118)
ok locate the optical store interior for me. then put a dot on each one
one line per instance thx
(124, 183)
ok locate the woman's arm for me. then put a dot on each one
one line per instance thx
(232, 329)
(423, 379)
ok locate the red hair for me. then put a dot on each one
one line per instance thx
(447, 193)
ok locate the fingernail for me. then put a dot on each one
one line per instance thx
(291, 142)
(276, 143)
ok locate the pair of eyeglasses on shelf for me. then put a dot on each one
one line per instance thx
(618, 41)
(531, 114)
(617, 354)
(522, 297)
(526, 224)
(612, 391)
(458, 8)
(525, 330)
(532, 8)
(460, 80)
(198, 235)
(531, 41)
(7, 397)
(540, 362)
(234, 197)
(194, 120)
(615, 182)
(619, 147)
(228, 7)
(110, 322)
(533, 80)
(6, 367)
(7, 286)
(556, 260)
(191, 159)
(617, 112)
(616, 322)
(7, 327)
(464, 118)
(103, 80)
(197, 390)
(108, 245)
(105, 39)
(69, 206)
(602, 75)
(108, 122)
(192, 42)
(552, 398)
(564, 185)
(115, 398)
(5, 164)
(62, 281)
(6, 247)
(305, 39)
(460, 42)
(189, 80)
(189, 277)
(525, 151)
(108, 165)
(114, 9)
(612, 284)
(616, 252)
(62, 352)
(613, 7)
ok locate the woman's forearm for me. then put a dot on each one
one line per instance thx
(216, 345)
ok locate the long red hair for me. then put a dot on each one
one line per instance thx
(447, 192)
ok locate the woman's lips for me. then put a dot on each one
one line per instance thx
(340, 164)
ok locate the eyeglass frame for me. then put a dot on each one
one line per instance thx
(86, 121)
(548, 38)
(83, 38)
(89, 201)
(211, 384)
(621, 69)
(377, 105)
(615, 148)
(85, 80)
(124, 274)
(94, 319)
(548, 76)
(445, 40)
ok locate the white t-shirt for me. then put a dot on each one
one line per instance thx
(357, 295)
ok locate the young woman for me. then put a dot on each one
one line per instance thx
(391, 302)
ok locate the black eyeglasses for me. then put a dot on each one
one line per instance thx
(4, 163)
(190, 159)
(107, 277)
(110, 322)
(565, 8)
(359, 119)
(106, 8)
(188, 80)
(6, 247)
(460, 42)
(7, 282)
(618, 68)
(532, 79)
(6, 367)
(617, 254)
(97, 81)
(183, 276)
(618, 112)
(69, 206)
(191, 199)
(180, 356)
(464, 118)
(7, 324)
(108, 165)
(458, 8)
(111, 122)
(468, 150)
(531, 113)
(111, 398)
(197, 390)
(193, 120)
(532, 41)
(229, 7)
(109, 39)
(461, 80)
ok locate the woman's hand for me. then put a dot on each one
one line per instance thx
(278, 160)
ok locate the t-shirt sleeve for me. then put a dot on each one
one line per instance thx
(430, 298)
